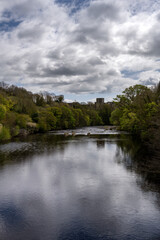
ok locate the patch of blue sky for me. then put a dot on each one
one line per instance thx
(74, 5)
(148, 6)
(7, 14)
(9, 25)
(131, 74)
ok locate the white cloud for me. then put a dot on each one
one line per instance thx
(85, 52)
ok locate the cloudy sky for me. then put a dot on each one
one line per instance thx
(80, 48)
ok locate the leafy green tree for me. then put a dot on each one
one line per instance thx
(35, 116)
(2, 111)
(57, 111)
(42, 125)
(60, 99)
(47, 120)
(115, 116)
(39, 100)
(50, 120)
(15, 131)
(5, 133)
(136, 110)
(105, 113)
(129, 121)
(22, 119)
(95, 119)
(67, 118)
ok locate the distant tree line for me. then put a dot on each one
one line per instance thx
(23, 112)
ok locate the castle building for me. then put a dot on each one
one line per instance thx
(99, 102)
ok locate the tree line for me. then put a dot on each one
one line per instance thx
(138, 111)
(23, 112)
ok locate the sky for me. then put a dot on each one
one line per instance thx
(82, 49)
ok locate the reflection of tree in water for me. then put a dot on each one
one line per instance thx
(139, 158)
(130, 152)
(100, 143)
(23, 149)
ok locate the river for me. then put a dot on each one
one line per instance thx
(54, 187)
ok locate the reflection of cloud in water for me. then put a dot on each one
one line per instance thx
(78, 191)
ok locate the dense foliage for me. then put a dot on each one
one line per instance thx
(138, 111)
(23, 112)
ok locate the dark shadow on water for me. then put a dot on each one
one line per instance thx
(139, 158)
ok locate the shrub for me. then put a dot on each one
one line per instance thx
(5, 134)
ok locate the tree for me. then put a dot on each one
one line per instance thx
(2, 111)
(135, 109)
(60, 99)
(105, 113)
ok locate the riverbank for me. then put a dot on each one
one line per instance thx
(92, 130)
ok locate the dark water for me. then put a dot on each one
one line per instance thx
(75, 188)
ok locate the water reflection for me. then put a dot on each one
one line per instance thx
(63, 188)
(140, 159)
(100, 143)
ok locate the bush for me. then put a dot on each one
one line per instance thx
(5, 134)
(2, 111)
(22, 119)
(15, 131)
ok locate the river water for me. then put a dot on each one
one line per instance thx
(79, 187)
